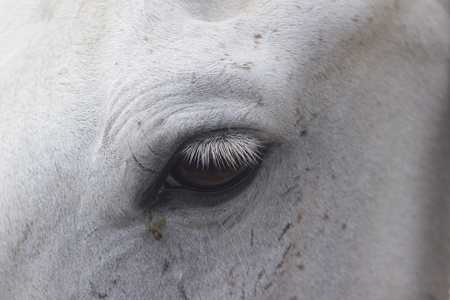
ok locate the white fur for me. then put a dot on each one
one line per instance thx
(351, 199)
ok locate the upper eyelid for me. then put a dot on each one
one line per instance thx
(256, 142)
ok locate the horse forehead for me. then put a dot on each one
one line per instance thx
(178, 27)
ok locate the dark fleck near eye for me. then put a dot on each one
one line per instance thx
(215, 163)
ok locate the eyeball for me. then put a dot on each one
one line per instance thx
(208, 179)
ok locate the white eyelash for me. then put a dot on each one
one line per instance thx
(224, 151)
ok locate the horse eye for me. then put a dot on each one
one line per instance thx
(216, 163)
(205, 179)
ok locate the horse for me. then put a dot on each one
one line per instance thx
(253, 149)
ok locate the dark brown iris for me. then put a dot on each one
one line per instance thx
(206, 179)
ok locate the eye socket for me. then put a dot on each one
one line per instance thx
(212, 178)
(215, 163)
